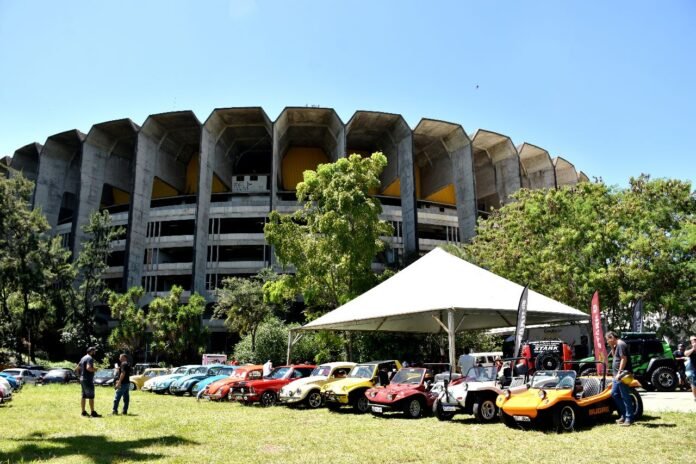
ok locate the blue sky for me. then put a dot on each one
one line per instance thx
(610, 86)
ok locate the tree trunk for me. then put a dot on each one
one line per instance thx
(253, 340)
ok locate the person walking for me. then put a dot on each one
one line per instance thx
(621, 366)
(122, 385)
(85, 368)
(466, 361)
(681, 369)
(690, 354)
(267, 367)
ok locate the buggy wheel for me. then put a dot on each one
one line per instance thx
(413, 409)
(664, 379)
(565, 418)
(485, 410)
(637, 403)
(440, 413)
(268, 398)
(313, 399)
(360, 404)
(548, 362)
(507, 420)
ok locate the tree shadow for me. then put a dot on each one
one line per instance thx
(98, 448)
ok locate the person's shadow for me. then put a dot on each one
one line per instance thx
(98, 448)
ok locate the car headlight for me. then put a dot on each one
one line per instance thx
(542, 394)
(507, 394)
(391, 396)
(298, 391)
(372, 394)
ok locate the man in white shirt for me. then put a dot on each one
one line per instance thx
(267, 368)
(466, 361)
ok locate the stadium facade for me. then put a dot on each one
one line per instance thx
(193, 197)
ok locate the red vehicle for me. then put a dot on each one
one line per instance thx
(409, 392)
(219, 390)
(265, 390)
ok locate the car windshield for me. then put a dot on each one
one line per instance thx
(278, 373)
(199, 370)
(362, 371)
(12, 371)
(180, 370)
(481, 374)
(101, 373)
(410, 376)
(225, 371)
(322, 370)
(56, 373)
(554, 379)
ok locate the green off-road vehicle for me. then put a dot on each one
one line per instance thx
(652, 359)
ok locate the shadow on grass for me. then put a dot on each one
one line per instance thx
(98, 448)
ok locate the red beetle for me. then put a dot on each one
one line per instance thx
(265, 390)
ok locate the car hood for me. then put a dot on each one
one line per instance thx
(347, 384)
(210, 380)
(308, 381)
(263, 382)
(166, 378)
(186, 378)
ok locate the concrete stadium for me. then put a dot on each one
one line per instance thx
(193, 197)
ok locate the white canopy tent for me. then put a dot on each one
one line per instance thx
(442, 293)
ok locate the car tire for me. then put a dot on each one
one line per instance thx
(565, 418)
(314, 399)
(548, 362)
(637, 403)
(360, 404)
(507, 420)
(413, 408)
(485, 410)
(664, 379)
(439, 413)
(268, 399)
(132, 386)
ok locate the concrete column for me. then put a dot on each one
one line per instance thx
(91, 185)
(409, 212)
(465, 192)
(507, 177)
(55, 178)
(144, 172)
(205, 185)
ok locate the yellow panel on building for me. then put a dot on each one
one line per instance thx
(297, 160)
(218, 185)
(120, 197)
(192, 176)
(161, 189)
(393, 189)
(445, 195)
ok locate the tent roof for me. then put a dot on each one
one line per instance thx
(439, 281)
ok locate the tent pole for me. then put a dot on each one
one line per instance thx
(451, 333)
(287, 362)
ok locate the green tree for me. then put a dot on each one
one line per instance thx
(240, 301)
(333, 239)
(129, 334)
(177, 328)
(569, 242)
(89, 267)
(32, 265)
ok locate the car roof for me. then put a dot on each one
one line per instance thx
(339, 364)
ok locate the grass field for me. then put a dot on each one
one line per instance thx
(44, 423)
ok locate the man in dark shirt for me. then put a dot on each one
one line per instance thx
(691, 371)
(679, 358)
(621, 365)
(85, 368)
(122, 385)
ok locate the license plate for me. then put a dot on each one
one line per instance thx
(448, 408)
(377, 409)
(522, 418)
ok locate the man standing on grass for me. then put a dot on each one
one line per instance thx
(619, 391)
(690, 354)
(86, 370)
(122, 385)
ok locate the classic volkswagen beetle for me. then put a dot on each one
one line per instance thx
(562, 400)
(408, 391)
(265, 390)
(161, 384)
(137, 381)
(220, 389)
(351, 390)
(307, 391)
(185, 384)
(225, 372)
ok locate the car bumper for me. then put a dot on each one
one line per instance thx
(332, 397)
(178, 389)
(287, 399)
(380, 408)
(237, 396)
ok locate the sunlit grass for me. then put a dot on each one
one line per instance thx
(44, 423)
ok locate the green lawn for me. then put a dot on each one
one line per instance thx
(43, 423)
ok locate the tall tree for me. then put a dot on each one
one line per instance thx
(333, 239)
(569, 242)
(240, 301)
(31, 264)
(177, 328)
(129, 334)
(90, 266)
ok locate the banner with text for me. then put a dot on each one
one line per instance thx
(600, 347)
(521, 321)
